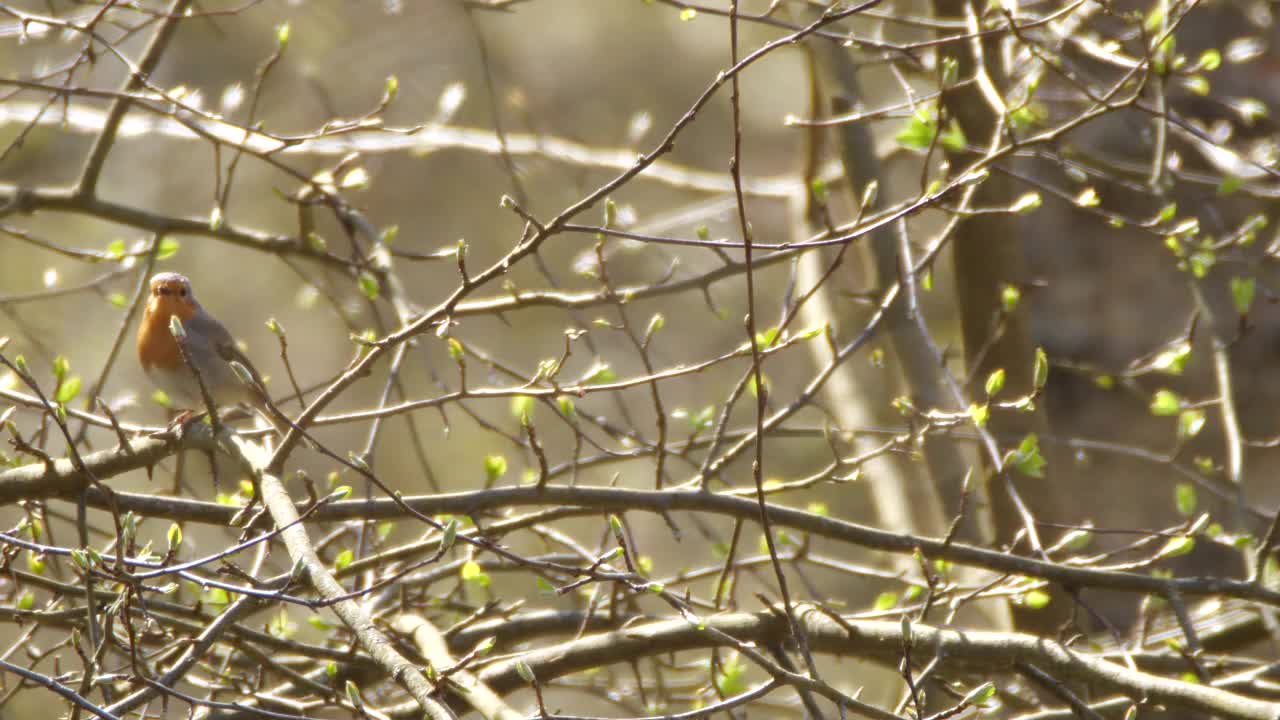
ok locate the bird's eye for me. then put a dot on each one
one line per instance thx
(182, 292)
(164, 290)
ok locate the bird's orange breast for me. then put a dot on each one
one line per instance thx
(157, 347)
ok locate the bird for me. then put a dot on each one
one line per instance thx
(208, 344)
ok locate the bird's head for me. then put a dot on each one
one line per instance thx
(171, 295)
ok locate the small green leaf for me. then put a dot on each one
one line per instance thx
(353, 694)
(525, 672)
(870, 192)
(343, 560)
(116, 248)
(980, 414)
(522, 407)
(566, 405)
(1166, 402)
(731, 680)
(1190, 423)
(980, 695)
(819, 189)
(810, 333)
(1196, 85)
(922, 128)
(1088, 198)
(319, 623)
(69, 389)
(599, 374)
(1009, 297)
(1173, 360)
(167, 249)
(1184, 498)
(161, 398)
(1178, 546)
(1027, 458)
(656, 323)
(1201, 261)
(767, 338)
(1210, 60)
(1027, 116)
(26, 600)
(369, 285)
(610, 213)
(1029, 202)
(995, 382)
(215, 596)
(1243, 290)
(449, 535)
(1036, 599)
(1041, 370)
(280, 626)
(472, 572)
(1077, 539)
(118, 299)
(174, 535)
(886, 600)
(688, 14)
(950, 71)
(495, 466)
(282, 35)
(356, 179)
(919, 131)
(1229, 185)
(1166, 213)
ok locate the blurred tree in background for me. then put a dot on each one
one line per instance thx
(645, 359)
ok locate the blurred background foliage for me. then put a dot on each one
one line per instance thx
(577, 87)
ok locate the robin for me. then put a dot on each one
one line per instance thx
(209, 346)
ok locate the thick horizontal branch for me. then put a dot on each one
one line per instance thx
(62, 480)
(17, 199)
(985, 653)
